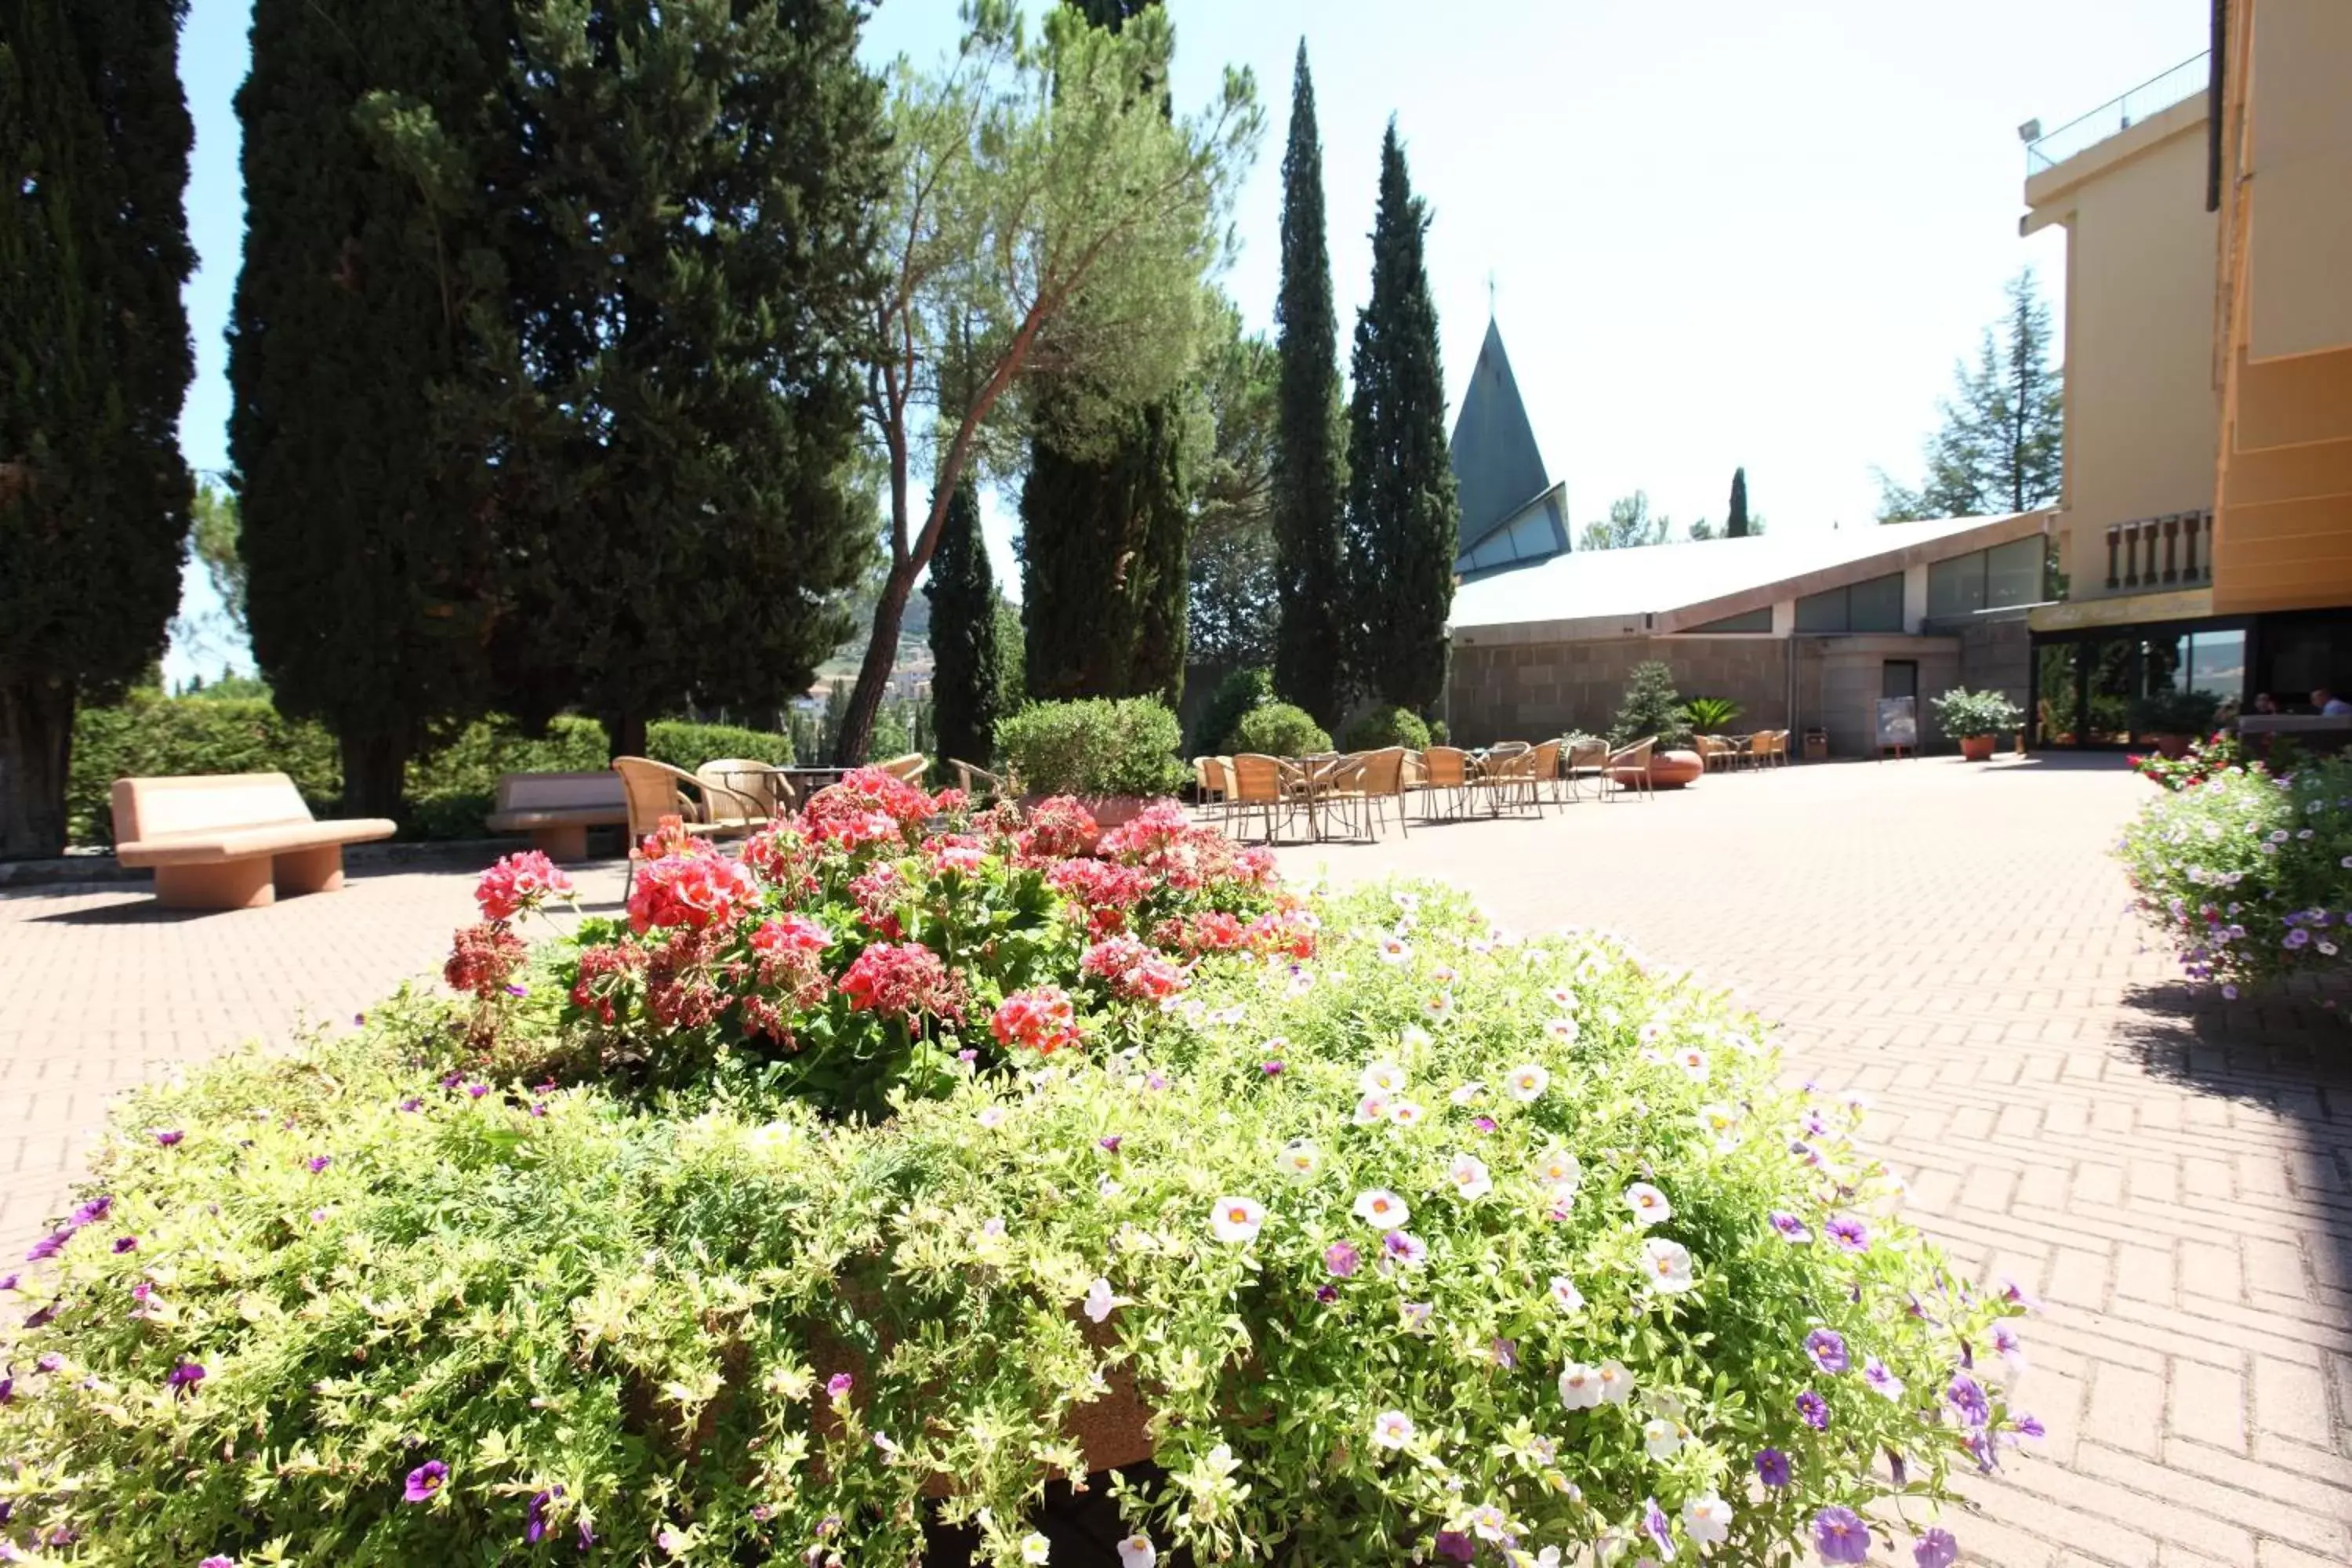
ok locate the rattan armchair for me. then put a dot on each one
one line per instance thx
(1633, 760)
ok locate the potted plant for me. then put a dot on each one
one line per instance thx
(1974, 718)
(1653, 707)
(1114, 757)
(2169, 720)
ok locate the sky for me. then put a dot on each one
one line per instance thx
(1717, 233)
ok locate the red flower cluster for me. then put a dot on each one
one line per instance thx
(520, 882)
(787, 935)
(1288, 931)
(867, 806)
(1211, 932)
(603, 969)
(1103, 891)
(1173, 852)
(902, 980)
(1134, 971)
(692, 891)
(880, 891)
(784, 858)
(669, 836)
(685, 985)
(957, 852)
(1058, 828)
(482, 957)
(1040, 1019)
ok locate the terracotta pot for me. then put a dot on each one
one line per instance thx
(1976, 748)
(2172, 748)
(1669, 770)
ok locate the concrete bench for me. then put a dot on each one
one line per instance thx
(232, 841)
(558, 809)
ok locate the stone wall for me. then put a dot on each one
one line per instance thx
(1997, 654)
(1525, 691)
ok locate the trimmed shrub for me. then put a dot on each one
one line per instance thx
(147, 736)
(1385, 727)
(1093, 747)
(1520, 1237)
(1238, 693)
(1279, 729)
(2248, 874)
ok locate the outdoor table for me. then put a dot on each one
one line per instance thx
(801, 782)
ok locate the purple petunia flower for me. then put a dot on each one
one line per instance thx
(1327, 1294)
(587, 1536)
(49, 1245)
(1882, 1381)
(515, 990)
(1790, 1228)
(7, 1281)
(1505, 1353)
(7, 1389)
(477, 1090)
(1658, 1526)
(1848, 1232)
(1272, 1069)
(1403, 1246)
(184, 1378)
(1815, 1409)
(49, 1361)
(1455, 1545)
(534, 1528)
(126, 1244)
(1934, 1549)
(89, 1212)
(1483, 1124)
(1839, 1536)
(1827, 1347)
(317, 1162)
(1967, 1397)
(218, 1560)
(1773, 1468)
(40, 1319)
(837, 1386)
(412, 1103)
(425, 1482)
(2030, 1426)
(1110, 1146)
(452, 1080)
(170, 1138)
(1341, 1259)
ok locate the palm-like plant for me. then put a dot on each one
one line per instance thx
(1709, 715)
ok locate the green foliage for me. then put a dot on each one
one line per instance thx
(94, 363)
(1380, 728)
(2174, 713)
(709, 1318)
(1011, 658)
(677, 404)
(1235, 610)
(1651, 708)
(967, 681)
(230, 685)
(1709, 715)
(2248, 874)
(1628, 525)
(1736, 523)
(1093, 747)
(369, 572)
(1280, 729)
(1309, 470)
(2003, 437)
(2201, 760)
(1239, 694)
(215, 542)
(1043, 205)
(1402, 516)
(1960, 713)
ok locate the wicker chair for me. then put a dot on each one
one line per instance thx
(1587, 759)
(977, 782)
(1636, 759)
(655, 789)
(1543, 772)
(908, 769)
(755, 781)
(1445, 768)
(1209, 780)
(1257, 787)
(1357, 785)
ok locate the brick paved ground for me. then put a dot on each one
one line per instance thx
(2175, 1181)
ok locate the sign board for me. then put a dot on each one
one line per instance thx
(1898, 723)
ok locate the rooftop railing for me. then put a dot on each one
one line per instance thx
(2153, 95)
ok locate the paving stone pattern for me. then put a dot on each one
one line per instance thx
(2170, 1177)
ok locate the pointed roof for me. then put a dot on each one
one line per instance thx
(1496, 469)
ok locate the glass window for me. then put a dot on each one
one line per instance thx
(2217, 663)
(1822, 612)
(1957, 587)
(2059, 695)
(1752, 621)
(2013, 573)
(1876, 605)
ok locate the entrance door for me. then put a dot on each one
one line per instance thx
(1899, 678)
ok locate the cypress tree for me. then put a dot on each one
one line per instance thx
(676, 410)
(367, 563)
(95, 360)
(1309, 481)
(965, 674)
(1403, 515)
(1736, 522)
(1105, 517)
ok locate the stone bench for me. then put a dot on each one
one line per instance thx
(232, 841)
(558, 809)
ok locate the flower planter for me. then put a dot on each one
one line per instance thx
(1976, 748)
(2171, 748)
(1671, 770)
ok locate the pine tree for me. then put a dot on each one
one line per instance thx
(676, 411)
(1651, 708)
(95, 360)
(2002, 443)
(1628, 525)
(1402, 516)
(1310, 484)
(1735, 521)
(368, 571)
(1106, 520)
(965, 676)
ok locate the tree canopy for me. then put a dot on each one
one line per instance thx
(1236, 609)
(2002, 441)
(1629, 523)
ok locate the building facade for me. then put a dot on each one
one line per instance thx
(2205, 525)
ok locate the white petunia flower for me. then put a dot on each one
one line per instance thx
(1136, 1552)
(1692, 1061)
(1468, 1093)
(1565, 1295)
(1562, 998)
(1616, 1383)
(1564, 1030)
(1557, 1168)
(1488, 1523)
(1395, 950)
(1392, 1429)
(1407, 1113)
(1662, 1438)
(1708, 1519)
(1035, 1548)
(1527, 1082)
(1381, 1208)
(1384, 1078)
(1373, 1110)
(1580, 1385)
(1438, 1006)
(1668, 1265)
(1414, 1039)
(1649, 1204)
(1468, 1174)
(1237, 1219)
(1300, 1158)
(1100, 1300)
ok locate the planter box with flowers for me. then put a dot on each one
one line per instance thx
(1975, 718)
(839, 1189)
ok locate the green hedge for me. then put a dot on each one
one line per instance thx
(450, 788)
(1093, 747)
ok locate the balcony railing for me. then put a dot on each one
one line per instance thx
(2185, 80)
(2159, 553)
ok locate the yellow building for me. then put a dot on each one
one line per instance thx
(2206, 520)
